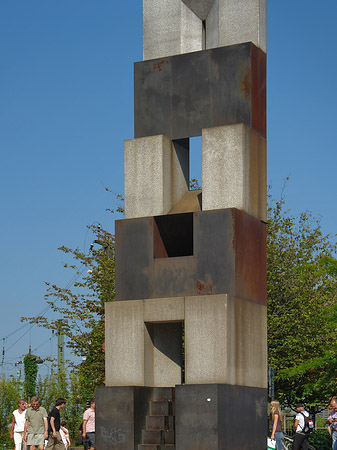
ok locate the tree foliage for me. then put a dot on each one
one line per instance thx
(51, 387)
(56, 385)
(82, 306)
(30, 368)
(302, 294)
(10, 393)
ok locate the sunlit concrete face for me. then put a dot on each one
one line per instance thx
(234, 170)
(156, 175)
(172, 27)
(224, 336)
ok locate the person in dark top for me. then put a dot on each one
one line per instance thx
(55, 440)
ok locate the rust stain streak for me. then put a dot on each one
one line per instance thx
(159, 65)
(245, 85)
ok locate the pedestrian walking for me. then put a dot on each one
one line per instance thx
(89, 425)
(36, 425)
(18, 425)
(55, 441)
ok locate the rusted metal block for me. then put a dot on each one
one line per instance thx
(180, 95)
(227, 255)
(210, 417)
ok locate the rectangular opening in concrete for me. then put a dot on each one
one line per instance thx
(163, 354)
(173, 235)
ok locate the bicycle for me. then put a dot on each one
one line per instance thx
(287, 444)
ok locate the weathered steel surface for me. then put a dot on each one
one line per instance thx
(180, 95)
(228, 257)
(250, 251)
(120, 416)
(259, 90)
(219, 416)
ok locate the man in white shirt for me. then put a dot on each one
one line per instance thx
(301, 438)
(18, 425)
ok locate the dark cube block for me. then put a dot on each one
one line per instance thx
(228, 256)
(220, 417)
(121, 416)
(180, 95)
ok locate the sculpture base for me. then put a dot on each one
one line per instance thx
(207, 417)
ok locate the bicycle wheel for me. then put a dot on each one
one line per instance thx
(286, 444)
(310, 447)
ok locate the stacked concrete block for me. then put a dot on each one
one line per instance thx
(235, 21)
(224, 336)
(156, 175)
(191, 267)
(234, 164)
(171, 27)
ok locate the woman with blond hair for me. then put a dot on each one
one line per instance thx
(276, 420)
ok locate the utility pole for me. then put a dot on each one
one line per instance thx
(60, 351)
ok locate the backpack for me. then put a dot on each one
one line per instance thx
(308, 424)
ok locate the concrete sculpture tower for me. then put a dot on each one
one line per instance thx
(186, 346)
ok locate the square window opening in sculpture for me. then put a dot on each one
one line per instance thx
(173, 235)
(164, 353)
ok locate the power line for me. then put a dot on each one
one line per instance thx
(72, 281)
(44, 311)
(19, 338)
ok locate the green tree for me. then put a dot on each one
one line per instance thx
(30, 367)
(10, 393)
(76, 404)
(51, 387)
(302, 294)
(56, 385)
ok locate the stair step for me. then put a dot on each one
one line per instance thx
(166, 447)
(164, 394)
(148, 447)
(168, 437)
(152, 437)
(160, 408)
(160, 423)
(156, 423)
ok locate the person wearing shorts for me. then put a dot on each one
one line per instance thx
(36, 426)
(18, 425)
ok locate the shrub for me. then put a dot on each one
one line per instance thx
(320, 439)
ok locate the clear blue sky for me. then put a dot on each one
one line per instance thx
(66, 106)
